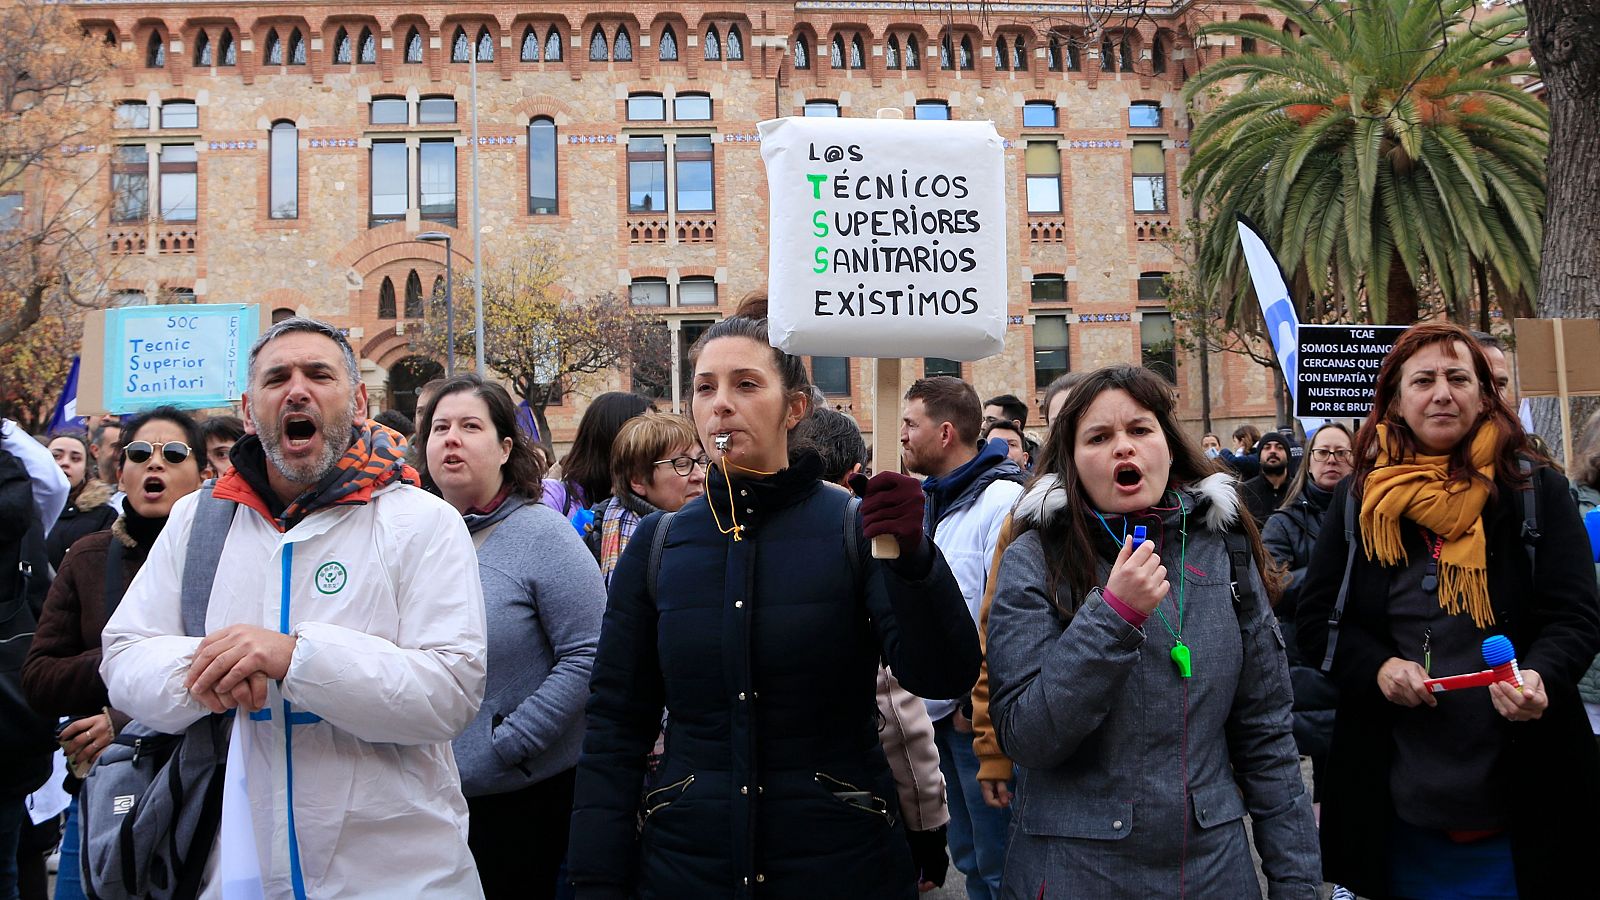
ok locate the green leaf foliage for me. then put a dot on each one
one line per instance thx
(1379, 144)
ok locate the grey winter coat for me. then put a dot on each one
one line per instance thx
(544, 600)
(1589, 686)
(1131, 781)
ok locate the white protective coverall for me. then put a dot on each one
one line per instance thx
(387, 609)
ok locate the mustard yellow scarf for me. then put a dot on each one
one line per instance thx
(1420, 489)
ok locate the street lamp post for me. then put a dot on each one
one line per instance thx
(434, 237)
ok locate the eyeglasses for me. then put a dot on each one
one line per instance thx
(173, 452)
(1321, 454)
(683, 465)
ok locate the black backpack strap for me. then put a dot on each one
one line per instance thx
(852, 537)
(1244, 590)
(213, 518)
(1337, 613)
(1530, 511)
(658, 542)
(114, 585)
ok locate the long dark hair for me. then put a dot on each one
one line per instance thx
(1403, 444)
(522, 469)
(1070, 556)
(588, 464)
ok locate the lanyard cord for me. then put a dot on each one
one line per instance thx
(735, 529)
(1183, 555)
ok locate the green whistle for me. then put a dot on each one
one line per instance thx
(1180, 657)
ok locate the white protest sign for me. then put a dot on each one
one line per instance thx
(186, 356)
(888, 237)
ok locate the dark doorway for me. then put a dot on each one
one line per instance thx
(407, 375)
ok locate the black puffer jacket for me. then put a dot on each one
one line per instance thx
(1290, 535)
(764, 651)
(1549, 775)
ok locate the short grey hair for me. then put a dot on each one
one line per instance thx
(311, 326)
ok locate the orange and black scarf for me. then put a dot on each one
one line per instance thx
(376, 458)
(1420, 488)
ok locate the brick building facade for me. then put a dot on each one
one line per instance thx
(291, 154)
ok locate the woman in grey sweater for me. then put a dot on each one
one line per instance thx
(1137, 674)
(544, 600)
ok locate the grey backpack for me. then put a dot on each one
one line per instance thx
(150, 807)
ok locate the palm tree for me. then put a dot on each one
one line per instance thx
(1381, 146)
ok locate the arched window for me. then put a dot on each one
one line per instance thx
(459, 48)
(1074, 56)
(413, 296)
(438, 287)
(913, 52)
(274, 48)
(202, 49)
(1002, 54)
(297, 48)
(111, 37)
(836, 51)
(485, 45)
(386, 299)
(552, 46)
(735, 43)
(1158, 57)
(283, 200)
(598, 48)
(413, 46)
(622, 46)
(946, 52)
(367, 49)
(667, 50)
(1052, 54)
(802, 52)
(530, 45)
(227, 52)
(1020, 48)
(966, 53)
(542, 184)
(713, 44)
(1108, 56)
(341, 47)
(891, 53)
(858, 53)
(1125, 50)
(155, 54)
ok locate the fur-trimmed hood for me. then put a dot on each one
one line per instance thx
(1216, 496)
(94, 494)
(119, 532)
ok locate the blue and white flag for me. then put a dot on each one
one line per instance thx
(1283, 324)
(66, 418)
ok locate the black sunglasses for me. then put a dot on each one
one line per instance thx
(173, 452)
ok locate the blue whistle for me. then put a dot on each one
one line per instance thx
(1139, 531)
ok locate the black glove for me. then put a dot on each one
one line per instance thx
(928, 854)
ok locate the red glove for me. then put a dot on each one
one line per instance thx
(891, 503)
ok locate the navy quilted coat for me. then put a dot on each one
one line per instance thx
(764, 654)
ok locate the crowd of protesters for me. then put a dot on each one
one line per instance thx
(672, 665)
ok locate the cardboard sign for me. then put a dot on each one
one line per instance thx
(1338, 366)
(189, 356)
(888, 237)
(1537, 356)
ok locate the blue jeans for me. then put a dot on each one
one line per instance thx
(69, 876)
(13, 809)
(977, 835)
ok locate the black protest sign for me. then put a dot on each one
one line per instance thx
(1337, 372)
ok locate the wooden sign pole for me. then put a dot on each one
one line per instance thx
(1564, 399)
(886, 414)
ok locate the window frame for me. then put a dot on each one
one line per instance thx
(1055, 114)
(374, 217)
(447, 216)
(176, 170)
(682, 158)
(130, 179)
(1043, 375)
(1145, 105)
(554, 167)
(174, 105)
(275, 190)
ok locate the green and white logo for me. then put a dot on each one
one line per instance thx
(331, 578)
